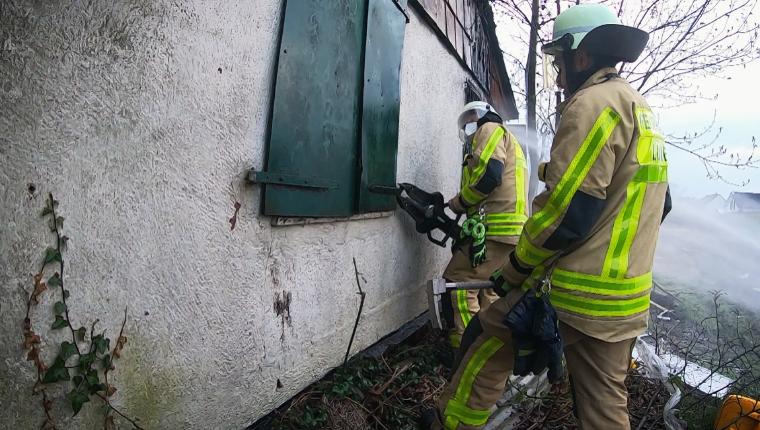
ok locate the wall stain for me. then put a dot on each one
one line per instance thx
(282, 309)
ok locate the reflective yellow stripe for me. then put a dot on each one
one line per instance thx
(456, 413)
(470, 179)
(504, 230)
(520, 168)
(463, 307)
(652, 173)
(470, 196)
(456, 409)
(598, 308)
(496, 218)
(493, 142)
(575, 174)
(624, 230)
(530, 254)
(601, 285)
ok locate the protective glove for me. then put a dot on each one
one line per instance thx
(546, 331)
(456, 205)
(477, 252)
(500, 286)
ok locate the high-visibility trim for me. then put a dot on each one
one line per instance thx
(575, 174)
(504, 230)
(470, 178)
(456, 409)
(601, 285)
(652, 173)
(455, 340)
(531, 254)
(463, 307)
(493, 142)
(598, 308)
(470, 196)
(456, 413)
(624, 230)
(496, 218)
(521, 166)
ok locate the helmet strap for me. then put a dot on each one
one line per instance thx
(574, 77)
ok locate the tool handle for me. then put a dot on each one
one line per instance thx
(472, 285)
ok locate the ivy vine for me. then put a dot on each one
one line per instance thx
(84, 362)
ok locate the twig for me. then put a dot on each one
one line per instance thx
(108, 369)
(131, 421)
(362, 294)
(649, 406)
(63, 291)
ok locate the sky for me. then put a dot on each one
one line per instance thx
(733, 103)
(736, 108)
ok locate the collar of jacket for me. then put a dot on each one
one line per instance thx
(601, 76)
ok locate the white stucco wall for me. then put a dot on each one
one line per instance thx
(123, 113)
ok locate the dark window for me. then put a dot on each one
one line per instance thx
(334, 127)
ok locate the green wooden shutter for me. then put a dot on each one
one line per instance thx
(312, 150)
(379, 136)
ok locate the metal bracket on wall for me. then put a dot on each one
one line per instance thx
(401, 8)
(259, 177)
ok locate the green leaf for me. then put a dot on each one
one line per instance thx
(65, 294)
(64, 241)
(107, 362)
(57, 372)
(67, 350)
(59, 307)
(51, 255)
(54, 281)
(47, 211)
(59, 323)
(81, 333)
(92, 377)
(102, 344)
(77, 380)
(59, 221)
(85, 362)
(78, 398)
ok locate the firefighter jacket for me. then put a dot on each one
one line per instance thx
(595, 227)
(494, 180)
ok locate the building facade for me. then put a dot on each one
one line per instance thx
(218, 187)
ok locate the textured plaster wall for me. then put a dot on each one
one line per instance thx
(142, 118)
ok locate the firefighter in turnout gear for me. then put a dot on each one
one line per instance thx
(493, 195)
(589, 243)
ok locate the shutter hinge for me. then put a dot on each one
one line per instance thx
(260, 177)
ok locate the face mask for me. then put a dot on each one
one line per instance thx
(467, 132)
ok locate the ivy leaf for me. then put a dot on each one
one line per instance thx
(59, 308)
(47, 211)
(68, 349)
(78, 398)
(65, 294)
(64, 241)
(54, 281)
(77, 380)
(92, 377)
(102, 344)
(57, 372)
(59, 323)
(81, 333)
(85, 362)
(107, 362)
(59, 221)
(51, 255)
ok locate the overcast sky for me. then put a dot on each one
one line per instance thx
(736, 108)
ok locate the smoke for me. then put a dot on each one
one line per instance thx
(702, 248)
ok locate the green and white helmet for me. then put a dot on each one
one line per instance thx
(596, 29)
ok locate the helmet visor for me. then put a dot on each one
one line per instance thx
(467, 130)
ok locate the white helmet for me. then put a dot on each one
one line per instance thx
(471, 114)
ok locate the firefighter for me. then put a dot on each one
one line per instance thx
(589, 244)
(493, 195)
